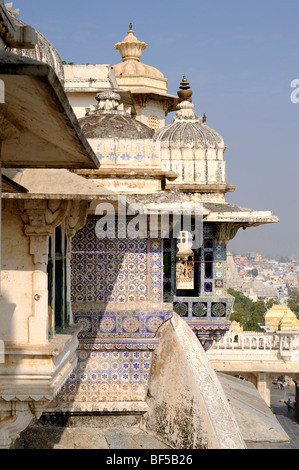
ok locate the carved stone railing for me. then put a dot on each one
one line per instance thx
(258, 357)
(253, 340)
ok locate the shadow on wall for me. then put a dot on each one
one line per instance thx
(7, 310)
(116, 301)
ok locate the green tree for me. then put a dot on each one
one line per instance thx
(284, 259)
(293, 300)
(254, 272)
(270, 302)
(247, 312)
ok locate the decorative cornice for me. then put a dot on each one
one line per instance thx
(209, 331)
(119, 345)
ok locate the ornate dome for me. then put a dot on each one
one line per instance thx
(100, 126)
(131, 51)
(190, 148)
(187, 129)
(44, 50)
(118, 140)
(107, 120)
(133, 67)
(189, 132)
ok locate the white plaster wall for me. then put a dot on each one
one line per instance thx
(200, 171)
(152, 108)
(81, 101)
(147, 83)
(16, 277)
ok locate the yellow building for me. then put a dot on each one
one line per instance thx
(280, 317)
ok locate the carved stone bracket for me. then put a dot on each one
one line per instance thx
(15, 416)
(76, 217)
(226, 231)
(40, 217)
(141, 100)
(209, 332)
(167, 106)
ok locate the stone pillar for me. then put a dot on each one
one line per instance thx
(263, 386)
(75, 219)
(38, 323)
(40, 217)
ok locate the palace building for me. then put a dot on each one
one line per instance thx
(121, 250)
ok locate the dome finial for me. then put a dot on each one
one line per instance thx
(130, 47)
(185, 92)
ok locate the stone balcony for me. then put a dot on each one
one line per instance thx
(30, 377)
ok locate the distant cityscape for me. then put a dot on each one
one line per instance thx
(262, 278)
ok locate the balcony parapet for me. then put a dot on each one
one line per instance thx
(30, 377)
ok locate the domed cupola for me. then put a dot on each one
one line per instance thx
(187, 129)
(118, 140)
(109, 120)
(147, 84)
(44, 50)
(131, 49)
(192, 149)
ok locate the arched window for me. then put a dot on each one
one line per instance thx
(208, 265)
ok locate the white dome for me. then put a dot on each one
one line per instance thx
(189, 147)
(44, 51)
(189, 132)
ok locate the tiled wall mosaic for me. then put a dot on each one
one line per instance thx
(116, 323)
(117, 300)
(115, 269)
(213, 283)
(113, 376)
(209, 274)
(203, 308)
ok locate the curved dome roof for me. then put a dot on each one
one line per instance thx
(188, 130)
(131, 50)
(108, 120)
(121, 126)
(133, 67)
(44, 51)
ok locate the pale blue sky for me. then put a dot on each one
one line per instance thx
(239, 57)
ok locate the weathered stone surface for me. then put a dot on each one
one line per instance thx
(146, 441)
(65, 144)
(118, 439)
(92, 420)
(187, 406)
(57, 437)
(255, 420)
(114, 125)
(89, 438)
